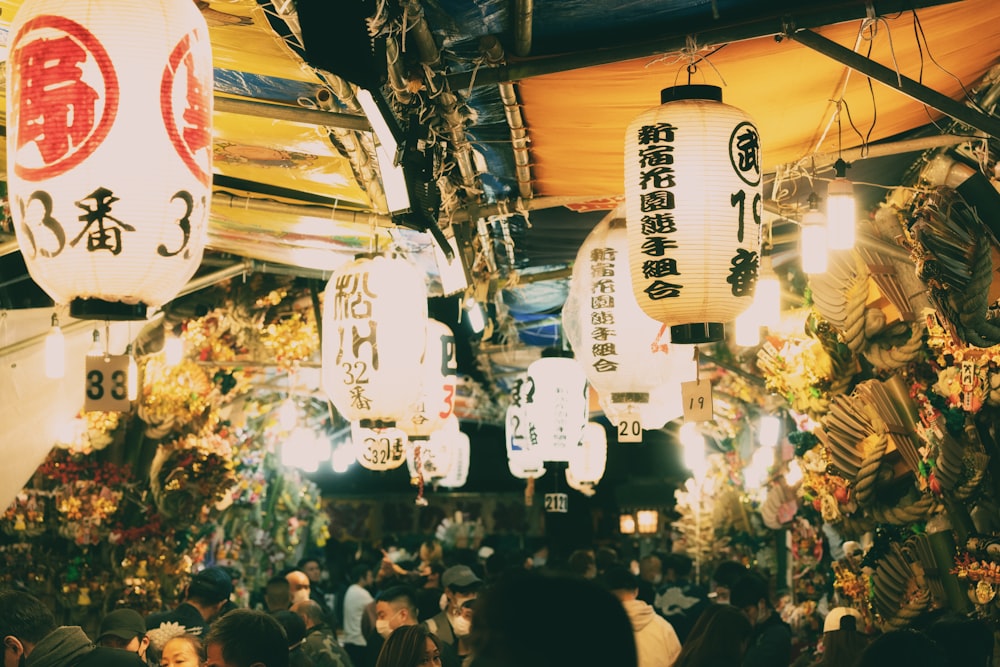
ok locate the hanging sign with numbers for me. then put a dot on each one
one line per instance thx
(629, 425)
(379, 448)
(107, 384)
(556, 502)
(697, 399)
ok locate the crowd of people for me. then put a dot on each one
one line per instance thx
(482, 609)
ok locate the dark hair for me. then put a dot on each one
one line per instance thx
(514, 625)
(24, 616)
(719, 638)
(902, 647)
(248, 636)
(402, 595)
(843, 646)
(580, 561)
(359, 570)
(681, 564)
(309, 559)
(294, 626)
(406, 647)
(193, 640)
(748, 591)
(619, 578)
(967, 641)
(605, 558)
(728, 573)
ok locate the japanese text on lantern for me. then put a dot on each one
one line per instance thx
(602, 303)
(357, 333)
(744, 155)
(657, 202)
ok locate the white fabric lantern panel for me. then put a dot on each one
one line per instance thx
(460, 462)
(624, 352)
(374, 329)
(590, 457)
(109, 149)
(438, 384)
(556, 406)
(379, 448)
(523, 460)
(693, 202)
(433, 455)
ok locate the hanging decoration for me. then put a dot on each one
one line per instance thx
(374, 324)
(587, 463)
(379, 448)
(623, 351)
(431, 458)
(555, 404)
(93, 88)
(438, 384)
(523, 459)
(461, 459)
(693, 202)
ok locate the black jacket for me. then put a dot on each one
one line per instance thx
(69, 646)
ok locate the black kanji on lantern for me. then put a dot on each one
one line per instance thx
(743, 272)
(97, 207)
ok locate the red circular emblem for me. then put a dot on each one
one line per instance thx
(188, 124)
(59, 115)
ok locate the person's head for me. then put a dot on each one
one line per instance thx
(725, 575)
(294, 627)
(183, 651)
(395, 607)
(751, 595)
(461, 585)
(361, 574)
(966, 641)
(209, 591)
(843, 636)
(720, 636)
(125, 629)
(310, 612)
(277, 594)
(246, 638)
(605, 558)
(430, 574)
(902, 647)
(621, 582)
(514, 625)
(24, 621)
(583, 563)
(651, 569)
(298, 585)
(431, 551)
(677, 567)
(410, 646)
(312, 568)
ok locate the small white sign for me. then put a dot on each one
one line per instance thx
(106, 384)
(697, 398)
(380, 449)
(630, 426)
(556, 502)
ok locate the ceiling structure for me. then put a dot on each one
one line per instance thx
(510, 116)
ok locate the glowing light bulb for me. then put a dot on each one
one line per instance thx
(747, 327)
(55, 351)
(474, 313)
(693, 443)
(840, 214)
(173, 349)
(132, 386)
(814, 239)
(767, 295)
(96, 349)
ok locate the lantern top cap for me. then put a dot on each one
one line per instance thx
(557, 352)
(691, 92)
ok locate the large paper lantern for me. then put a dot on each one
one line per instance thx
(460, 462)
(433, 457)
(374, 324)
(109, 149)
(556, 406)
(589, 458)
(379, 448)
(693, 204)
(439, 382)
(523, 459)
(624, 352)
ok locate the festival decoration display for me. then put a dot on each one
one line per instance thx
(89, 85)
(555, 404)
(438, 384)
(624, 353)
(588, 460)
(693, 203)
(524, 458)
(375, 322)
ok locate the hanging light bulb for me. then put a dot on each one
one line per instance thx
(173, 348)
(840, 209)
(96, 349)
(55, 351)
(132, 386)
(813, 238)
(693, 443)
(767, 295)
(474, 315)
(747, 327)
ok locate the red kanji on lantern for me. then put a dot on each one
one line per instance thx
(61, 117)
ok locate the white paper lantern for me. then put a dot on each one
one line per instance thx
(523, 460)
(438, 384)
(433, 456)
(460, 462)
(556, 406)
(693, 203)
(109, 149)
(374, 324)
(624, 352)
(379, 448)
(590, 457)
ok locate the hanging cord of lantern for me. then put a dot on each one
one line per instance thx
(418, 466)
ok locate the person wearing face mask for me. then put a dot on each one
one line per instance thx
(452, 625)
(396, 607)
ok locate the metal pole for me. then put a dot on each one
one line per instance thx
(344, 121)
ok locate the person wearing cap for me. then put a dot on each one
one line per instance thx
(125, 629)
(843, 637)
(206, 595)
(771, 642)
(452, 625)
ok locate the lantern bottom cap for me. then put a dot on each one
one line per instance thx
(698, 332)
(376, 423)
(99, 309)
